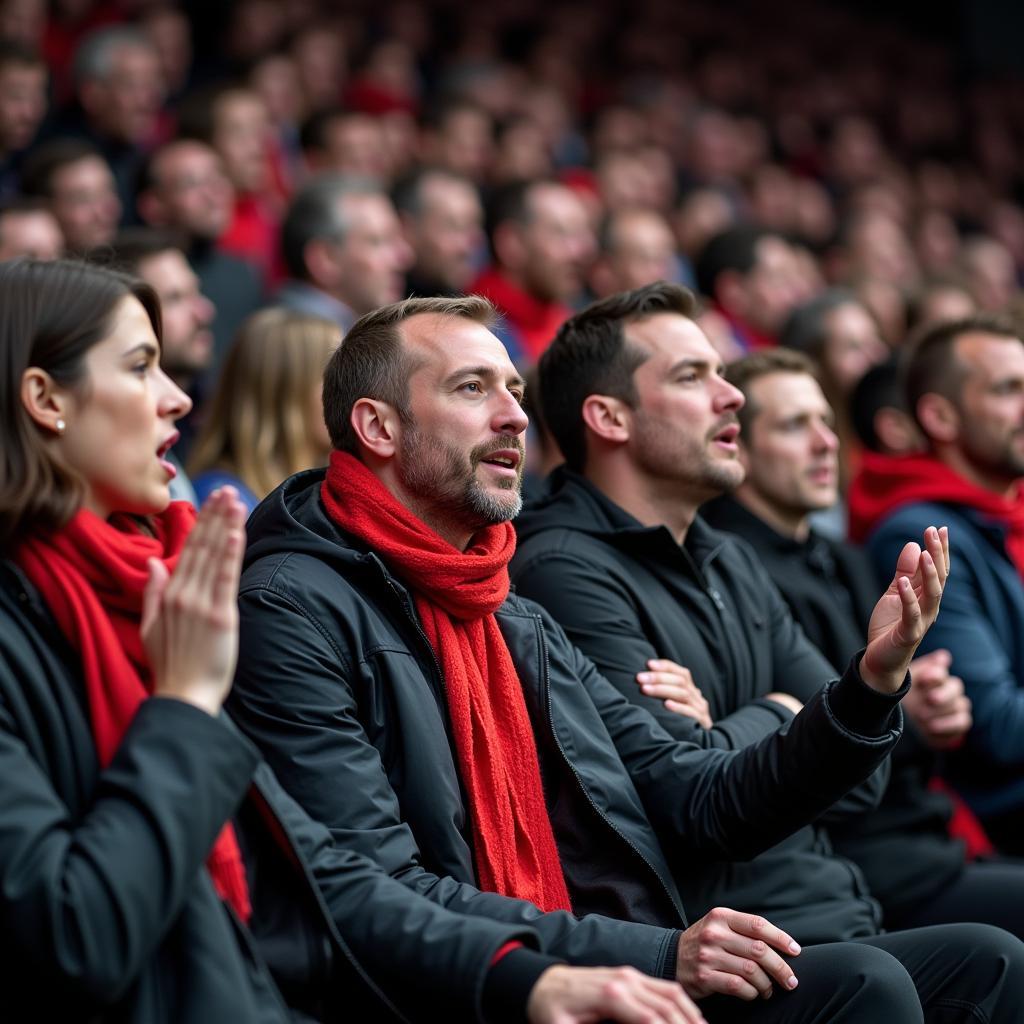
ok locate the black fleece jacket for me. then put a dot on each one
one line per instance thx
(339, 687)
(626, 593)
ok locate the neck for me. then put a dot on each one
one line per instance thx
(792, 523)
(988, 479)
(653, 502)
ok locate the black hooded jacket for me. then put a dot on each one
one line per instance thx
(625, 593)
(339, 687)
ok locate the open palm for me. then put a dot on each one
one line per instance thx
(906, 610)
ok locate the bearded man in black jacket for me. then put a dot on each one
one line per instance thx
(790, 455)
(360, 678)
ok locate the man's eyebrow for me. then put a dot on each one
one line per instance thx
(483, 371)
(692, 363)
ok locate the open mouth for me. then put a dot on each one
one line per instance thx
(161, 454)
(728, 436)
(505, 461)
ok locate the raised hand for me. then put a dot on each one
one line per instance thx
(905, 611)
(937, 704)
(674, 684)
(190, 619)
(580, 995)
(734, 954)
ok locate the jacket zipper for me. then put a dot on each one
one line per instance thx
(307, 874)
(579, 781)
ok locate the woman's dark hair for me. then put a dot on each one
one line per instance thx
(51, 314)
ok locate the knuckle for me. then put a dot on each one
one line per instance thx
(749, 968)
(758, 924)
(734, 984)
(758, 949)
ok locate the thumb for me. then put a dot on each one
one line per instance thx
(153, 593)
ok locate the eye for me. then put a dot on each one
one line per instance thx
(141, 368)
(473, 387)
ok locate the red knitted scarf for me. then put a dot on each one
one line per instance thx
(886, 482)
(92, 575)
(457, 594)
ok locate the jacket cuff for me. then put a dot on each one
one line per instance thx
(509, 983)
(670, 967)
(862, 709)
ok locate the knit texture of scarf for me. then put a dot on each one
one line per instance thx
(92, 575)
(887, 482)
(456, 595)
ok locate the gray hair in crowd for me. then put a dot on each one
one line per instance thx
(316, 212)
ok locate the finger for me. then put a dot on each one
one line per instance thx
(670, 678)
(666, 1000)
(907, 563)
(700, 715)
(934, 546)
(207, 570)
(757, 939)
(944, 537)
(952, 724)
(911, 626)
(665, 665)
(153, 593)
(225, 593)
(665, 688)
(931, 586)
(195, 543)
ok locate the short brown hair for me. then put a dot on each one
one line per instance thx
(743, 372)
(51, 315)
(933, 366)
(372, 362)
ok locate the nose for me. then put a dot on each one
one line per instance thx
(510, 417)
(205, 311)
(728, 398)
(172, 402)
(825, 438)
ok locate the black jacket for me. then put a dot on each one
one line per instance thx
(106, 913)
(626, 593)
(902, 845)
(339, 687)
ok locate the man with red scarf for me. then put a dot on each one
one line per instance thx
(447, 728)
(965, 387)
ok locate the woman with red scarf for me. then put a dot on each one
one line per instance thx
(151, 869)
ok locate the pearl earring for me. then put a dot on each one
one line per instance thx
(60, 426)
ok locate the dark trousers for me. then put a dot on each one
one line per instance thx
(952, 974)
(1006, 832)
(987, 892)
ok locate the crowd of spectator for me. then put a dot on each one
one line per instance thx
(757, 284)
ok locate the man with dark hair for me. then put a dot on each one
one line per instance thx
(789, 452)
(542, 246)
(753, 279)
(965, 387)
(343, 250)
(338, 141)
(881, 421)
(77, 184)
(23, 101)
(442, 220)
(183, 187)
(644, 587)
(28, 228)
(446, 727)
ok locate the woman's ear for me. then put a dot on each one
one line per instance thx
(44, 401)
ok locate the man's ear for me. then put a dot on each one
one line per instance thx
(939, 418)
(44, 401)
(321, 262)
(607, 418)
(377, 426)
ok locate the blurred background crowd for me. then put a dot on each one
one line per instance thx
(823, 176)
